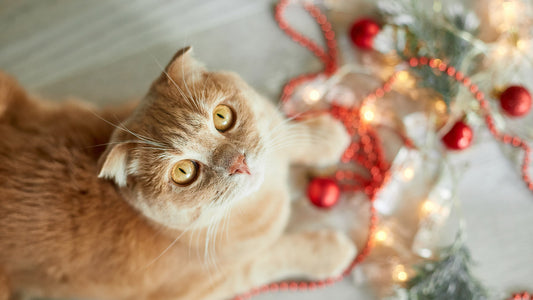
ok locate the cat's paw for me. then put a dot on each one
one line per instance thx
(331, 140)
(331, 253)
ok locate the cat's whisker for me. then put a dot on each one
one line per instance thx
(299, 132)
(283, 127)
(290, 140)
(121, 142)
(285, 146)
(182, 93)
(195, 82)
(157, 149)
(214, 244)
(296, 138)
(279, 126)
(290, 143)
(123, 128)
(191, 237)
(209, 256)
(168, 247)
(206, 247)
(212, 239)
(210, 250)
(191, 97)
(207, 78)
(197, 245)
(227, 217)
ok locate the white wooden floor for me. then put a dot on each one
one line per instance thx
(107, 51)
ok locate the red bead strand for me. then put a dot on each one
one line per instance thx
(521, 296)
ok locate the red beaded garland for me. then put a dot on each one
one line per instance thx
(459, 137)
(362, 33)
(521, 296)
(323, 192)
(516, 101)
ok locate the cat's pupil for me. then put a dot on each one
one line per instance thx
(220, 116)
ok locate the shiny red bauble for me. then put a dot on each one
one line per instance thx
(323, 192)
(459, 137)
(363, 32)
(516, 101)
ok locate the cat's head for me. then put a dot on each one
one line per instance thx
(194, 146)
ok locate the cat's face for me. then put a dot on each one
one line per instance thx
(193, 147)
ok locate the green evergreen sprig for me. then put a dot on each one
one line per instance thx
(448, 278)
(415, 28)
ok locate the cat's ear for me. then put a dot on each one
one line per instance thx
(183, 64)
(114, 164)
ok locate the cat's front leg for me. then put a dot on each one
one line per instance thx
(319, 141)
(311, 255)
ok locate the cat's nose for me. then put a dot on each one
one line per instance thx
(239, 166)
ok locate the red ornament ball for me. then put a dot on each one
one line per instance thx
(516, 101)
(363, 32)
(459, 137)
(323, 192)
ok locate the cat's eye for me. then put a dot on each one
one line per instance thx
(223, 117)
(184, 172)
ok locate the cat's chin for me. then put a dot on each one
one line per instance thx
(251, 183)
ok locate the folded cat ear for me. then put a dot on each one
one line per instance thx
(183, 64)
(114, 164)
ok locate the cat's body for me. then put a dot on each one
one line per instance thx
(65, 232)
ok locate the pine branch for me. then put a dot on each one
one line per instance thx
(448, 278)
(420, 31)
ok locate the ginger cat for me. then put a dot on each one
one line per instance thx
(185, 197)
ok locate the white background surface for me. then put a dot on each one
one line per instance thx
(106, 52)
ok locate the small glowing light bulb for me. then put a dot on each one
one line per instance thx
(510, 8)
(403, 76)
(368, 113)
(521, 45)
(429, 207)
(501, 50)
(408, 173)
(381, 235)
(399, 274)
(314, 95)
(440, 106)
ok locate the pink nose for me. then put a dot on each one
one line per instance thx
(239, 166)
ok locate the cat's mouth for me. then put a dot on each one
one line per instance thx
(253, 172)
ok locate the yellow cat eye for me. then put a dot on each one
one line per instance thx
(184, 172)
(223, 117)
